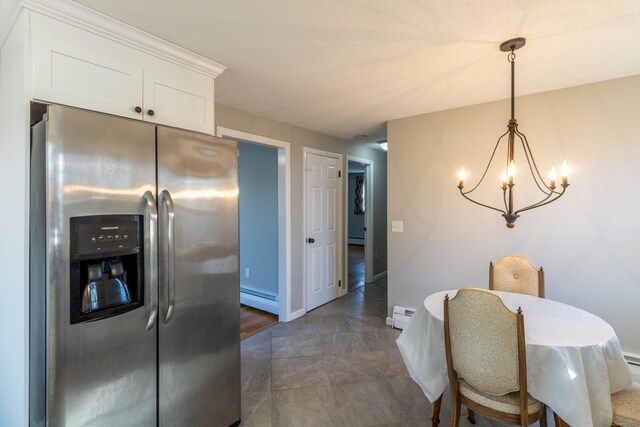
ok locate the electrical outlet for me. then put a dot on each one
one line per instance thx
(397, 226)
(247, 272)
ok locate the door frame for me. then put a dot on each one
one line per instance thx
(307, 150)
(368, 217)
(284, 213)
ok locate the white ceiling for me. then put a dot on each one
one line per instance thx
(344, 67)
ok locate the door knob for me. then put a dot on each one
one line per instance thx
(150, 112)
(311, 240)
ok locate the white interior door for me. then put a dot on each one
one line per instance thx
(322, 204)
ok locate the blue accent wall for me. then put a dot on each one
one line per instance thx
(258, 179)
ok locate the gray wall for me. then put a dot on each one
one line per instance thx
(588, 242)
(233, 118)
(258, 178)
(356, 222)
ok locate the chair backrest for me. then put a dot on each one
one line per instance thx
(516, 274)
(484, 342)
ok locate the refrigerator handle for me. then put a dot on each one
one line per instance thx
(151, 257)
(169, 266)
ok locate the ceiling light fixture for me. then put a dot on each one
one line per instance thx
(383, 144)
(549, 191)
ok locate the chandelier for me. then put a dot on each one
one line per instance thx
(513, 137)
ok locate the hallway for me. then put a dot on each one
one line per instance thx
(355, 266)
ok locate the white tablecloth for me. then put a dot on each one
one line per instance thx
(574, 359)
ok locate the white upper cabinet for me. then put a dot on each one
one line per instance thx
(179, 103)
(69, 75)
(98, 71)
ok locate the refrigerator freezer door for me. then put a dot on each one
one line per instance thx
(102, 372)
(199, 299)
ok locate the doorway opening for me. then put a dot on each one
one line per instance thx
(265, 222)
(359, 222)
(258, 221)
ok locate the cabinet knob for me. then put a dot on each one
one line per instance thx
(138, 109)
(150, 112)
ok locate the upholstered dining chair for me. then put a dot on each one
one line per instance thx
(516, 274)
(486, 359)
(626, 407)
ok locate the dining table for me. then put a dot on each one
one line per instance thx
(574, 358)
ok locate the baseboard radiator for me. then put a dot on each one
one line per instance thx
(259, 293)
(265, 301)
(401, 316)
(631, 358)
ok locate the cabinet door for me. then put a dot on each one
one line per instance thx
(70, 75)
(183, 103)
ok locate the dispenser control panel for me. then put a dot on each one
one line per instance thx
(97, 235)
(106, 266)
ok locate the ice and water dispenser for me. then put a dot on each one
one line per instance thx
(107, 266)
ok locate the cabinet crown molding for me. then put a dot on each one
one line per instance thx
(90, 20)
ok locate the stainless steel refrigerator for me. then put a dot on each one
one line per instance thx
(134, 274)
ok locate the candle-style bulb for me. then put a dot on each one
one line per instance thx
(564, 172)
(553, 175)
(504, 177)
(511, 170)
(462, 175)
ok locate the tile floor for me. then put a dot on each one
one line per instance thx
(336, 366)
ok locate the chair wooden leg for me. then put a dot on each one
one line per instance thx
(559, 422)
(455, 410)
(543, 417)
(435, 418)
(471, 416)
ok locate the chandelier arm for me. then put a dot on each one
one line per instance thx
(535, 205)
(532, 161)
(529, 157)
(540, 203)
(488, 164)
(478, 203)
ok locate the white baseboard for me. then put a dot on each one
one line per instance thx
(380, 275)
(297, 314)
(259, 303)
(389, 321)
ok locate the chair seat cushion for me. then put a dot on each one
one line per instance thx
(626, 407)
(508, 403)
